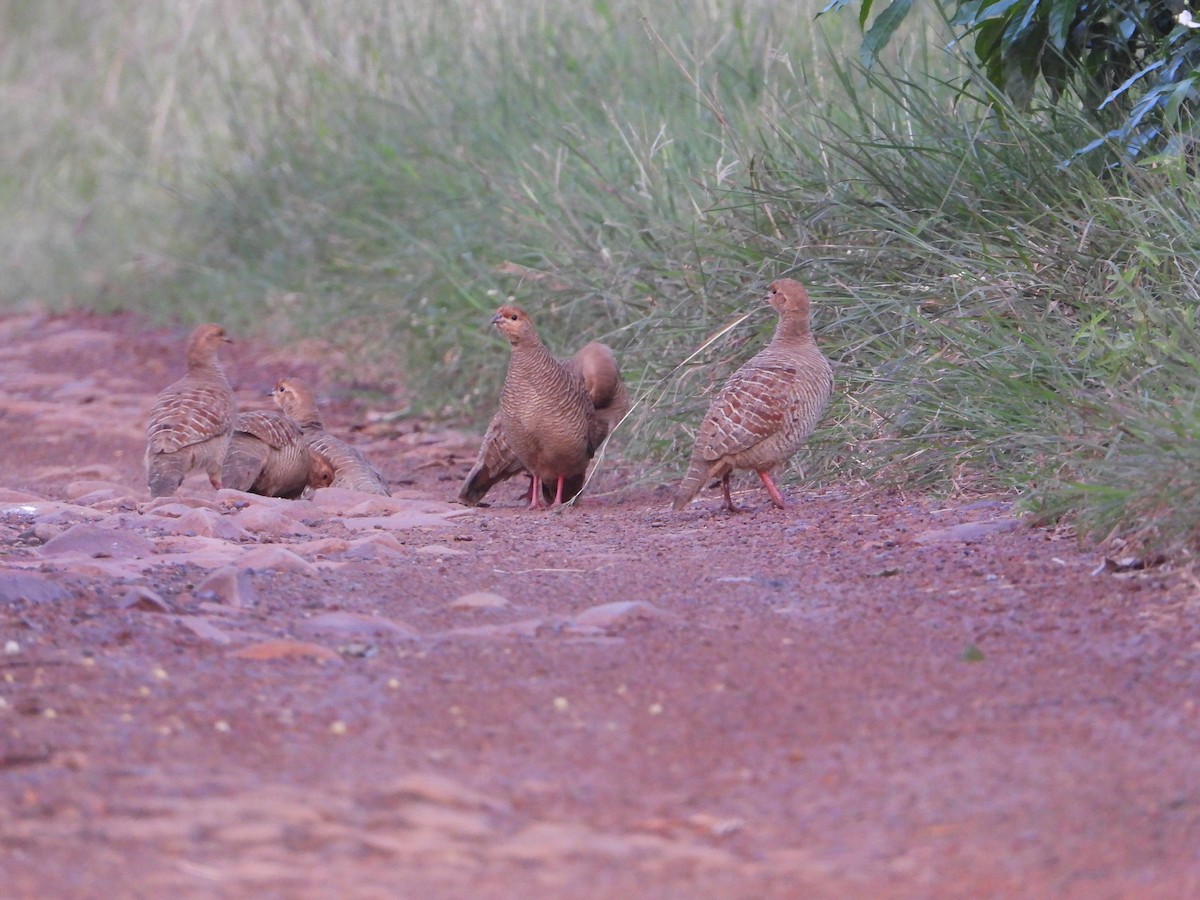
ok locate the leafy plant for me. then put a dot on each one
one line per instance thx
(1132, 64)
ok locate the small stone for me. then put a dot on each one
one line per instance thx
(440, 550)
(210, 523)
(479, 600)
(204, 629)
(142, 598)
(276, 558)
(92, 540)
(284, 649)
(45, 532)
(262, 519)
(229, 585)
(968, 532)
(358, 650)
(30, 588)
(608, 615)
(354, 624)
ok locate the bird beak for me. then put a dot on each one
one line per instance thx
(497, 319)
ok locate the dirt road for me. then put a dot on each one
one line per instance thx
(218, 695)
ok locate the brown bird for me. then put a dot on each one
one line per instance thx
(336, 463)
(596, 366)
(192, 419)
(267, 455)
(767, 408)
(546, 415)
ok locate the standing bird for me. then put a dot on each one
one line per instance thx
(546, 414)
(192, 419)
(267, 455)
(767, 408)
(596, 365)
(334, 462)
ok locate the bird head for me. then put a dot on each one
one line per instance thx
(204, 343)
(514, 324)
(296, 399)
(788, 296)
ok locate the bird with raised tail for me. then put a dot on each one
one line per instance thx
(267, 455)
(768, 407)
(596, 366)
(192, 419)
(335, 463)
(546, 415)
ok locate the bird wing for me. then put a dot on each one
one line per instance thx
(350, 468)
(188, 415)
(749, 409)
(244, 461)
(270, 426)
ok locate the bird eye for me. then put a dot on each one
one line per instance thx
(513, 317)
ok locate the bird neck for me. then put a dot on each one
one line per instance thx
(308, 417)
(529, 350)
(204, 362)
(793, 328)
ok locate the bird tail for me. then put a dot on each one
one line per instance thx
(165, 471)
(243, 462)
(691, 484)
(478, 482)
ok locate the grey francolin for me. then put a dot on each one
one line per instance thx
(546, 414)
(767, 408)
(192, 419)
(597, 368)
(335, 463)
(267, 455)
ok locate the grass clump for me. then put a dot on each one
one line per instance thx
(632, 172)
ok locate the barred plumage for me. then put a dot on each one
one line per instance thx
(546, 415)
(596, 367)
(767, 408)
(192, 418)
(334, 463)
(267, 455)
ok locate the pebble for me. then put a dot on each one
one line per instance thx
(277, 558)
(142, 598)
(204, 629)
(231, 585)
(285, 649)
(208, 523)
(968, 532)
(620, 612)
(266, 520)
(92, 540)
(479, 600)
(347, 624)
(24, 586)
(440, 550)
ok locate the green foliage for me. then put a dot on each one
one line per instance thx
(1133, 65)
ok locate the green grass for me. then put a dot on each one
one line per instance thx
(634, 172)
